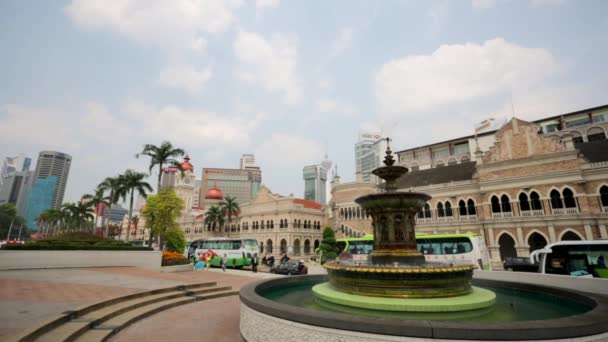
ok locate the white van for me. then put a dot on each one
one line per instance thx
(573, 258)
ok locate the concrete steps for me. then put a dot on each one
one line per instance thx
(99, 321)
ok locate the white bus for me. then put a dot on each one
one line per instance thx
(238, 251)
(453, 248)
(573, 258)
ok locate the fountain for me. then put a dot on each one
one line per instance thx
(397, 277)
(397, 294)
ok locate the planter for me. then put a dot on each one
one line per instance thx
(177, 268)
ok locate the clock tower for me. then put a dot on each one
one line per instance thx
(184, 184)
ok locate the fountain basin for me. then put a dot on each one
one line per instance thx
(264, 319)
(415, 281)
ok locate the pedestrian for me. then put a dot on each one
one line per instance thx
(224, 263)
(204, 259)
(254, 263)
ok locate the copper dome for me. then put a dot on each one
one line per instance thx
(186, 166)
(214, 194)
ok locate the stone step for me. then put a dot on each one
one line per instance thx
(117, 323)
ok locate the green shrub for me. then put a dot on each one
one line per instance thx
(328, 247)
(174, 262)
(175, 240)
(76, 236)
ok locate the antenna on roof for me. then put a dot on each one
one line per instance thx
(512, 106)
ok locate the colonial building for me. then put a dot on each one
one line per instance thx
(281, 224)
(347, 217)
(521, 187)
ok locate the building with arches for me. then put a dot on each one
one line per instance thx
(281, 224)
(347, 218)
(530, 187)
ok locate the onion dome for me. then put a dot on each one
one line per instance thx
(186, 164)
(214, 194)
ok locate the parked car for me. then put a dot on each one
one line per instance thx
(519, 264)
(290, 267)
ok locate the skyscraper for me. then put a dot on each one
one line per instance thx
(48, 187)
(315, 182)
(242, 183)
(14, 177)
(369, 152)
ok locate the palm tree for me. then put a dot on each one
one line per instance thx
(77, 214)
(161, 155)
(229, 207)
(132, 181)
(97, 199)
(214, 216)
(113, 185)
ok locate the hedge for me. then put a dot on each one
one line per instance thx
(174, 262)
(75, 247)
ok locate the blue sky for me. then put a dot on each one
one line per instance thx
(286, 80)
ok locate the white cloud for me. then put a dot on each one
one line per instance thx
(483, 4)
(343, 42)
(185, 77)
(541, 3)
(333, 106)
(455, 74)
(267, 3)
(170, 24)
(288, 150)
(268, 62)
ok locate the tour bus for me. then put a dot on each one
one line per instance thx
(455, 248)
(574, 258)
(238, 251)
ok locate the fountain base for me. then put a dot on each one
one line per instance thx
(478, 298)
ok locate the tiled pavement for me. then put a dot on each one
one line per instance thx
(28, 297)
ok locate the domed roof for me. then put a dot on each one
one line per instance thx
(186, 164)
(214, 193)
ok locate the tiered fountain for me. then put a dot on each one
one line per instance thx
(397, 295)
(397, 277)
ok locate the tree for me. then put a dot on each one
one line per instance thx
(328, 247)
(161, 213)
(97, 199)
(229, 207)
(113, 185)
(214, 217)
(132, 181)
(8, 219)
(162, 155)
(175, 240)
(79, 215)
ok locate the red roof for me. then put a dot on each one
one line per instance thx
(307, 203)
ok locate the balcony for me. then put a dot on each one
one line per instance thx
(501, 215)
(468, 218)
(445, 219)
(529, 213)
(565, 211)
(424, 220)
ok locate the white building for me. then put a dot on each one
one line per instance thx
(369, 152)
(315, 183)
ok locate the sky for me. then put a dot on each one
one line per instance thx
(286, 80)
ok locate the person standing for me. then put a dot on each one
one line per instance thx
(224, 263)
(254, 263)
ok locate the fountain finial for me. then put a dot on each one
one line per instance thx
(389, 160)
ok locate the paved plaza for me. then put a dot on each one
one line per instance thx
(29, 297)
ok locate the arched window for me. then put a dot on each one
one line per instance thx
(569, 201)
(296, 247)
(577, 138)
(316, 245)
(448, 209)
(425, 212)
(535, 202)
(604, 196)
(471, 207)
(505, 204)
(452, 161)
(342, 213)
(570, 236)
(462, 208)
(495, 204)
(556, 199)
(269, 246)
(507, 247)
(306, 247)
(536, 241)
(595, 133)
(440, 211)
(283, 246)
(524, 204)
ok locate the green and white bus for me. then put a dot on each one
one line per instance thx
(238, 251)
(457, 248)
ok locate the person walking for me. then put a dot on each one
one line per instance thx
(254, 263)
(224, 263)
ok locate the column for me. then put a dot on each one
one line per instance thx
(588, 232)
(552, 237)
(603, 233)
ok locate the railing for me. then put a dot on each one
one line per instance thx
(565, 211)
(505, 214)
(468, 217)
(424, 219)
(537, 212)
(445, 218)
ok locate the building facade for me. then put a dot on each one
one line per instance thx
(57, 164)
(347, 218)
(282, 224)
(315, 183)
(243, 184)
(369, 151)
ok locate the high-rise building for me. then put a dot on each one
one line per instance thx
(14, 164)
(243, 183)
(315, 183)
(48, 187)
(369, 151)
(13, 179)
